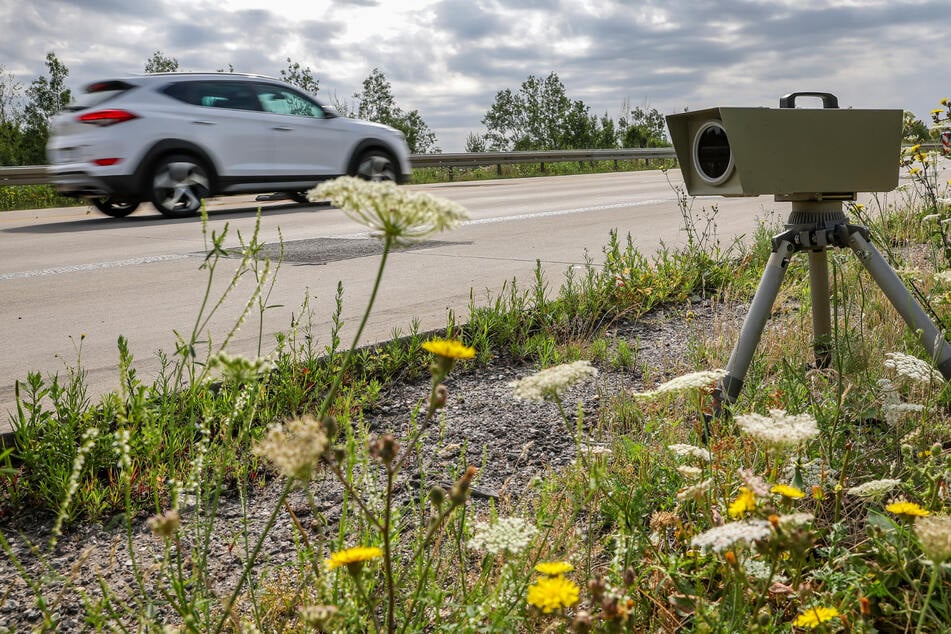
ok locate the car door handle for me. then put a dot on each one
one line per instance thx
(203, 122)
(282, 128)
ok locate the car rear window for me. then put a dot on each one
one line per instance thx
(234, 95)
(98, 92)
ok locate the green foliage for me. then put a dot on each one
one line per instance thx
(161, 63)
(378, 104)
(34, 197)
(300, 76)
(541, 116)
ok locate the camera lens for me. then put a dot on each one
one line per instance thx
(712, 157)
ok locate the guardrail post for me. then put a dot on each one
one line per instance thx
(450, 173)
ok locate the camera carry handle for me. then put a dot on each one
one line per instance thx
(828, 99)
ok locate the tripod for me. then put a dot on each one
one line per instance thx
(814, 226)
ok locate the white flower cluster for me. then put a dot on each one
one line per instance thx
(507, 535)
(85, 446)
(690, 451)
(943, 277)
(238, 369)
(795, 520)
(779, 429)
(895, 411)
(695, 491)
(551, 382)
(295, 448)
(874, 489)
(912, 368)
(934, 533)
(734, 534)
(390, 211)
(810, 474)
(687, 382)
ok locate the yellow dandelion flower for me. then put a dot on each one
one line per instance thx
(937, 111)
(552, 593)
(449, 349)
(744, 503)
(907, 509)
(913, 149)
(813, 617)
(945, 101)
(914, 171)
(554, 568)
(787, 491)
(352, 558)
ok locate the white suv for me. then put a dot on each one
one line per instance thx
(176, 138)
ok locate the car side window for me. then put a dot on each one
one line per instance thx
(234, 95)
(280, 100)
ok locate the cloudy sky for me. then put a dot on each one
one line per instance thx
(448, 58)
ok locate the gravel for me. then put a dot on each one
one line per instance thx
(511, 441)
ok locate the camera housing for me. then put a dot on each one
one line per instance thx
(794, 153)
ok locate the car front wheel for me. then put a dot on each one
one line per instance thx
(376, 166)
(179, 183)
(115, 207)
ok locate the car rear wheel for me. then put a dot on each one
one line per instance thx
(115, 207)
(376, 165)
(298, 197)
(179, 183)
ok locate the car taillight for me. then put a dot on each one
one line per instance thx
(106, 117)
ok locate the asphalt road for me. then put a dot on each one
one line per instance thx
(72, 280)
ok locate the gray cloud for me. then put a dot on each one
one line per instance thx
(449, 60)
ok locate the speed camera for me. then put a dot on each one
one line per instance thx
(794, 153)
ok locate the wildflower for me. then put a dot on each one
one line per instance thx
(795, 520)
(552, 593)
(906, 509)
(553, 568)
(352, 558)
(934, 533)
(164, 525)
(690, 451)
(318, 616)
(787, 491)
(691, 473)
(692, 381)
(663, 519)
(931, 217)
(390, 212)
(744, 503)
(550, 383)
(895, 411)
(734, 534)
(813, 617)
(238, 369)
(779, 429)
(449, 348)
(296, 448)
(753, 482)
(696, 491)
(911, 368)
(508, 535)
(874, 489)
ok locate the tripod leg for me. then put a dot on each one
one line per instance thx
(821, 307)
(755, 321)
(903, 301)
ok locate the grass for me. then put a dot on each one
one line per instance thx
(44, 196)
(681, 523)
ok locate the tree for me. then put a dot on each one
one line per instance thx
(476, 143)
(161, 63)
(11, 118)
(378, 104)
(47, 96)
(540, 116)
(300, 76)
(914, 130)
(646, 128)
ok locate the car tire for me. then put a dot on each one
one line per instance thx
(115, 207)
(298, 197)
(376, 166)
(179, 183)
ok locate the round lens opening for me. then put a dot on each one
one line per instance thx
(712, 157)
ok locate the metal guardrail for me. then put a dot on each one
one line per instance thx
(37, 174)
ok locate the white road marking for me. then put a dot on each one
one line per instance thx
(91, 267)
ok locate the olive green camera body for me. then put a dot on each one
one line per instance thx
(793, 153)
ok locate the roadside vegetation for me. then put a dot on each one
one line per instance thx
(821, 504)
